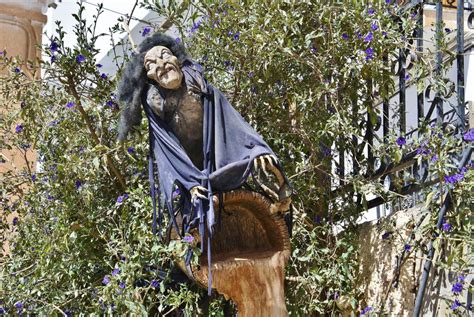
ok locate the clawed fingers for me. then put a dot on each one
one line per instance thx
(198, 192)
(265, 163)
(272, 160)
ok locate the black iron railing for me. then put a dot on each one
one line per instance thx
(436, 113)
(377, 168)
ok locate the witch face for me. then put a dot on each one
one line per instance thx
(163, 67)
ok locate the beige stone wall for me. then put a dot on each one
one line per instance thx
(378, 263)
(21, 27)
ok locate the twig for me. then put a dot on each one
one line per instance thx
(130, 39)
(50, 304)
(23, 270)
(85, 117)
(131, 12)
(169, 21)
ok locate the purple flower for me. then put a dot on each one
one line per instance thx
(177, 40)
(365, 310)
(384, 34)
(407, 76)
(15, 221)
(78, 184)
(106, 280)
(195, 26)
(53, 47)
(448, 30)
(154, 283)
(388, 1)
(374, 26)
(461, 278)
(33, 178)
(434, 158)
(455, 305)
(2, 310)
(98, 65)
(103, 75)
(371, 11)
(52, 59)
(345, 36)
(70, 104)
(446, 227)
(407, 247)
(18, 128)
(122, 284)
(250, 74)
(131, 150)
(125, 196)
(457, 288)
(146, 30)
(469, 135)
(176, 193)
(369, 37)
(453, 179)
(115, 271)
(80, 58)
(119, 200)
(314, 50)
(401, 141)
(236, 36)
(369, 53)
(423, 151)
(188, 239)
(19, 305)
(109, 103)
(17, 70)
(67, 313)
(386, 235)
(336, 295)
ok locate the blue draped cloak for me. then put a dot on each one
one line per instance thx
(230, 146)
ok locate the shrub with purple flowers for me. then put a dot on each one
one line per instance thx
(84, 241)
(76, 246)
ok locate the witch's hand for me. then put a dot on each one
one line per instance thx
(268, 163)
(198, 192)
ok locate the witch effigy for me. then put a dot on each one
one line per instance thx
(202, 148)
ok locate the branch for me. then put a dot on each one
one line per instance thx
(72, 89)
(130, 39)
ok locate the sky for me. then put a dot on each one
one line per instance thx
(113, 10)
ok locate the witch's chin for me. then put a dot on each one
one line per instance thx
(173, 85)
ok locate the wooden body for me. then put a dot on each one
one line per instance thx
(250, 249)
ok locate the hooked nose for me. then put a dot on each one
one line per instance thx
(160, 63)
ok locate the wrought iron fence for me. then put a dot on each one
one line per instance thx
(430, 106)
